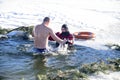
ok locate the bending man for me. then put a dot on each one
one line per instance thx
(41, 33)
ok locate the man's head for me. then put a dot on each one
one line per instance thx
(64, 28)
(46, 20)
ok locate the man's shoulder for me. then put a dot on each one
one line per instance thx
(37, 26)
(49, 29)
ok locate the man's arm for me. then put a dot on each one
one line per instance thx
(57, 34)
(52, 34)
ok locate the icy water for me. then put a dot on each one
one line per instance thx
(97, 16)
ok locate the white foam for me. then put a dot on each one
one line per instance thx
(102, 76)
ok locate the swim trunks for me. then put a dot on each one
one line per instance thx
(37, 50)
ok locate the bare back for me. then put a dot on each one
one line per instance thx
(41, 34)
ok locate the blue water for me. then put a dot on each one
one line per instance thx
(99, 17)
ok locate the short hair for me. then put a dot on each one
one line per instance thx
(46, 19)
(65, 26)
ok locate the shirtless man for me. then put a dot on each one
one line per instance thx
(41, 33)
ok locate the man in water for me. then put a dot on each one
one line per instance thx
(41, 33)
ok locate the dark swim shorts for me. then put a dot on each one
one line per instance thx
(37, 50)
